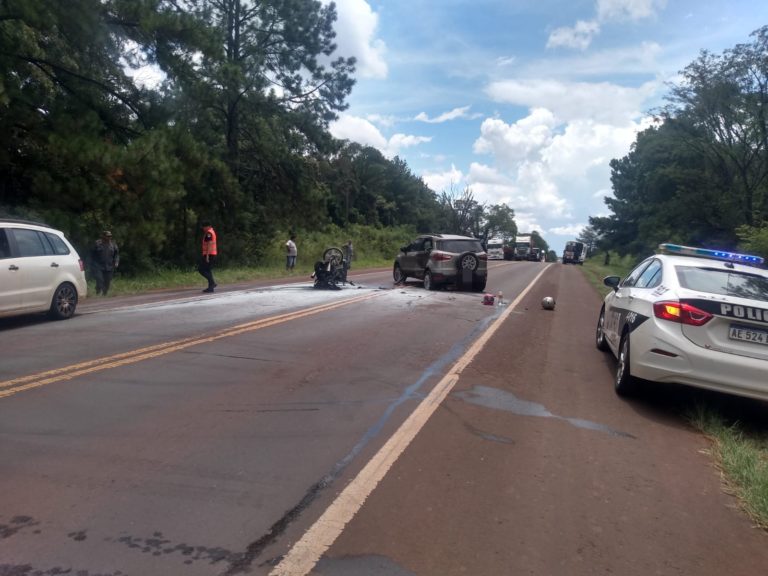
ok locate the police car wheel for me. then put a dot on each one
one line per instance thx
(600, 341)
(625, 384)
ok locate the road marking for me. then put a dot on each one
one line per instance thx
(10, 387)
(305, 554)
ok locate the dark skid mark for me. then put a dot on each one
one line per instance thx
(500, 400)
(157, 545)
(16, 525)
(370, 565)
(78, 536)
(29, 570)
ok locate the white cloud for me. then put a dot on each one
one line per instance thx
(356, 36)
(601, 101)
(448, 181)
(364, 132)
(608, 10)
(572, 230)
(513, 143)
(579, 36)
(445, 117)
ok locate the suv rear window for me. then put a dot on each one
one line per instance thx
(459, 245)
(724, 282)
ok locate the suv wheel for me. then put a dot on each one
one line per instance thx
(468, 261)
(398, 275)
(64, 302)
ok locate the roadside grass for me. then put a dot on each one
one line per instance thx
(741, 456)
(739, 451)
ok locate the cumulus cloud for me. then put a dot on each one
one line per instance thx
(363, 132)
(445, 117)
(601, 101)
(579, 36)
(572, 230)
(608, 10)
(356, 36)
(447, 181)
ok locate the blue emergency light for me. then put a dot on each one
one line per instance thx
(716, 254)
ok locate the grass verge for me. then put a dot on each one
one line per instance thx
(739, 451)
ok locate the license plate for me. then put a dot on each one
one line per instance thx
(748, 335)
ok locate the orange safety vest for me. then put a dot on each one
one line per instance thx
(209, 246)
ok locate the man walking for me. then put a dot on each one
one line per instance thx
(208, 256)
(105, 258)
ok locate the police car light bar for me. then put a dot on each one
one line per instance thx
(716, 254)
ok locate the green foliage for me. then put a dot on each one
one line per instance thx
(753, 239)
(701, 173)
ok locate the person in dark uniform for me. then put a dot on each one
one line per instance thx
(208, 255)
(105, 258)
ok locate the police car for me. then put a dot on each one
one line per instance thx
(689, 316)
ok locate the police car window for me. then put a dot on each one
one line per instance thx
(30, 243)
(723, 282)
(631, 280)
(5, 247)
(651, 276)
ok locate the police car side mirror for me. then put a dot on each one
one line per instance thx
(612, 282)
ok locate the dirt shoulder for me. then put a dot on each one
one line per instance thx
(534, 466)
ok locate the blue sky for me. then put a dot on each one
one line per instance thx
(524, 102)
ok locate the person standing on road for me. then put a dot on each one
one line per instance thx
(105, 258)
(349, 254)
(208, 256)
(291, 251)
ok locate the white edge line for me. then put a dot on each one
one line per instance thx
(304, 555)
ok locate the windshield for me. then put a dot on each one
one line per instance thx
(495, 245)
(460, 246)
(523, 244)
(724, 282)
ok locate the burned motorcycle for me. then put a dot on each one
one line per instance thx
(331, 271)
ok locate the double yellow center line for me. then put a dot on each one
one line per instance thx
(10, 387)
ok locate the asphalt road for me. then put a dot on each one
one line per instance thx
(376, 430)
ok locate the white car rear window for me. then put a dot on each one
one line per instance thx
(723, 282)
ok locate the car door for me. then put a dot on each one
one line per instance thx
(408, 262)
(620, 304)
(38, 268)
(10, 276)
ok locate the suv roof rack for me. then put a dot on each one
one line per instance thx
(713, 254)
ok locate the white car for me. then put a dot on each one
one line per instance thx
(40, 271)
(689, 316)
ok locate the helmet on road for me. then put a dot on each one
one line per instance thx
(548, 303)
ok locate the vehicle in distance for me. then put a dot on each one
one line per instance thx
(574, 253)
(495, 249)
(523, 247)
(689, 316)
(441, 260)
(40, 271)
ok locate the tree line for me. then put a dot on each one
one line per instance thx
(699, 175)
(235, 132)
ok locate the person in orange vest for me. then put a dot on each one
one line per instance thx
(208, 257)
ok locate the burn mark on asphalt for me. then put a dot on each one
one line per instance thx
(16, 525)
(370, 565)
(29, 570)
(157, 545)
(500, 400)
(78, 536)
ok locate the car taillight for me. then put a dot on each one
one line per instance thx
(440, 256)
(681, 312)
(82, 265)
